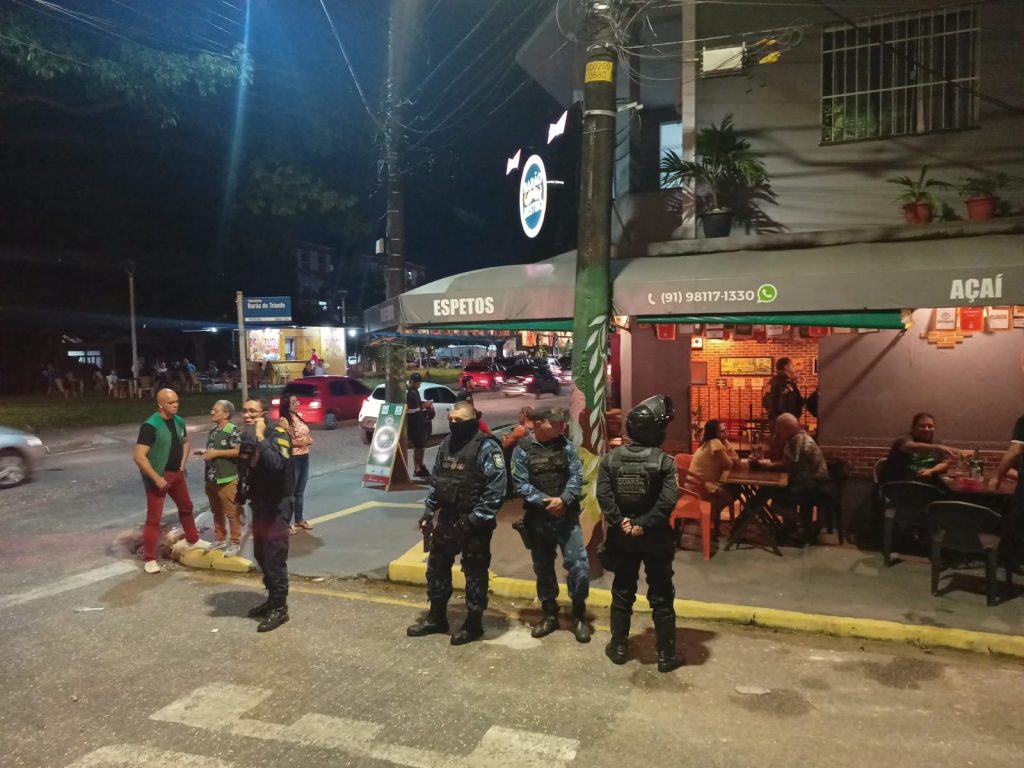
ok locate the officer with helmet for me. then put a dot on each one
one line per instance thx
(467, 488)
(637, 490)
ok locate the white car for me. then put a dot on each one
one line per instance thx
(442, 397)
(20, 454)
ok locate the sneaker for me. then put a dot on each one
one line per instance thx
(200, 545)
(152, 566)
(422, 472)
(220, 544)
(232, 550)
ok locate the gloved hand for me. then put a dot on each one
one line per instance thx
(426, 519)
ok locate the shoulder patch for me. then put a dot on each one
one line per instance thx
(498, 459)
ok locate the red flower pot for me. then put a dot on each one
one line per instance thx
(980, 208)
(918, 213)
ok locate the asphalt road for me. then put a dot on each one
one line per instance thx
(170, 672)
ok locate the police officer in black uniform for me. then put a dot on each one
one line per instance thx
(467, 488)
(267, 481)
(637, 490)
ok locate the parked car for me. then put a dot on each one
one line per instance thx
(530, 378)
(562, 373)
(20, 454)
(442, 397)
(482, 376)
(324, 400)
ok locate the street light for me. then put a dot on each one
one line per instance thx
(129, 267)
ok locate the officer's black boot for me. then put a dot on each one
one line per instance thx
(549, 623)
(472, 629)
(580, 630)
(260, 611)
(618, 647)
(668, 659)
(435, 622)
(276, 616)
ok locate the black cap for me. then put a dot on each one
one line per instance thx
(551, 413)
(415, 376)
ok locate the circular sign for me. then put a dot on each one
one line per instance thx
(533, 196)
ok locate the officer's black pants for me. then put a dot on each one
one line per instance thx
(270, 546)
(661, 592)
(475, 546)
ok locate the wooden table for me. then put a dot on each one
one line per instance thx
(757, 486)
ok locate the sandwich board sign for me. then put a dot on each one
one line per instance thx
(380, 463)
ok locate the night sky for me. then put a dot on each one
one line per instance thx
(81, 192)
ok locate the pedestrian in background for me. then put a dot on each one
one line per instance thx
(161, 452)
(221, 457)
(637, 491)
(267, 481)
(298, 431)
(467, 488)
(548, 474)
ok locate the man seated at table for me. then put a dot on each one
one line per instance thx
(917, 456)
(803, 461)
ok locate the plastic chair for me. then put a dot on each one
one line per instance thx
(691, 505)
(969, 529)
(905, 502)
(830, 506)
(145, 385)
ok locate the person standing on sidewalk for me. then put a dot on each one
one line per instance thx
(416, 424)
(548, 474)
(637, 491)
(160, 454)
(267, 481)
(298, 431)
(467, 488)
(221, 457)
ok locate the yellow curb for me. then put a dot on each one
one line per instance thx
(361, 507)
(410, 570)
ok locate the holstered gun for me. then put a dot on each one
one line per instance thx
(524, 532)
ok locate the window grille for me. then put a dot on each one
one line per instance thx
(900, 75)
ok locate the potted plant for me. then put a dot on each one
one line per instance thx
(724, 174)
(979, 195)
(918, 200)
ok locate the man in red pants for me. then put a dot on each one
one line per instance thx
(160, 454)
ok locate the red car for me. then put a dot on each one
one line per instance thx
(482, 376)
(324, 400)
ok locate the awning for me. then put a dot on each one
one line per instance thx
(892, 319)
(885, 276)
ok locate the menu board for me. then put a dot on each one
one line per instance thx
(380, 464)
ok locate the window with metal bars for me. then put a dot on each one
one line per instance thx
(900, 75)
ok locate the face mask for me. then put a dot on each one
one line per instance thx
(464, 430)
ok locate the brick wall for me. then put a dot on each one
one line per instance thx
(744, 402)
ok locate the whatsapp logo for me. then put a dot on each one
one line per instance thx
(767, 293)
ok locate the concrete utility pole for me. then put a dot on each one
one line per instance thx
(129, 267)
(593, 250)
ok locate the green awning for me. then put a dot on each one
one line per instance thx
(889, 319)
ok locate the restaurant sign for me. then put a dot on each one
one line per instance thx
(533, 196)
(380, 464)
(267, 309)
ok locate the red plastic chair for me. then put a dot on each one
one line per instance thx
(691, 505)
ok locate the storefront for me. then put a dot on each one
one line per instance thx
(288, 349)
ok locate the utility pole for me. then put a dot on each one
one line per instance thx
(243, 369)
(593, 249)
(129, 267)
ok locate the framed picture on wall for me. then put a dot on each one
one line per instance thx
(698, 373)
(999, 318)
(945, 319)
(745, 366)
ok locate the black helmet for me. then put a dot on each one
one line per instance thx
(647, 422)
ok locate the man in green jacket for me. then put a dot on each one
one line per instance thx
(221, 457)
(160, 454)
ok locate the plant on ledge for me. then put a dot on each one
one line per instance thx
(918, 200)
(979, 194)
(725, 179)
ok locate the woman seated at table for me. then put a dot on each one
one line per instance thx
(715, 456)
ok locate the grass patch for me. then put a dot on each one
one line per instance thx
(38, 413)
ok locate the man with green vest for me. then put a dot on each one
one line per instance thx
(221, 457)
(160, 454)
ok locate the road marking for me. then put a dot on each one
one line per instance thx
(362, 507)
(138, 756)
(71, 582)
(220, 708)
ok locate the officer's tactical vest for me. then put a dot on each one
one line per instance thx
(548, 466)
(460, 483)
(635, 478)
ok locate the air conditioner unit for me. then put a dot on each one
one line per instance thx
(722, 61)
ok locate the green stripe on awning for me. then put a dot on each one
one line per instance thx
(890, 319)
(505, 325)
